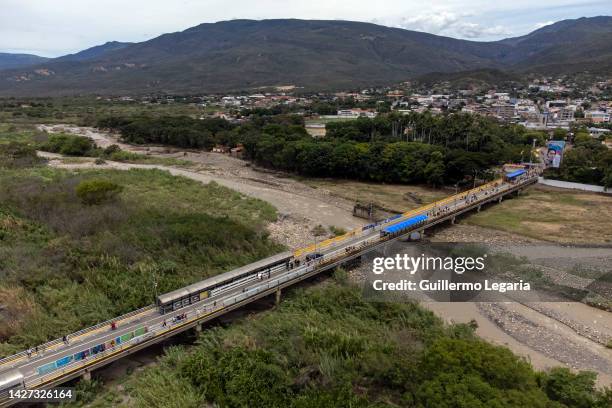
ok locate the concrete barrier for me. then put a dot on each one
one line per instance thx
(573, 186)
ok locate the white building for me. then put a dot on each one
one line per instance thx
(356, 113)
(597, 116)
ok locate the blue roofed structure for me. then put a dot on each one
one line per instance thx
(392, 229)
(515, 173)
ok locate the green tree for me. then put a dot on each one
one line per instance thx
(69, 145)
(559, 134)
(434, 171)
(574, 390)
(472, 373)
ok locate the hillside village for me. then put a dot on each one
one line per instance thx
(545, 103)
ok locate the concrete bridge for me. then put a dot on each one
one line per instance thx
(80, 353)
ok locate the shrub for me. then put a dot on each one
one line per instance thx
(574, 390)
(97, 191)
(459, 372)
(17, 155)
(111, 149)
(69, 145)
(337, 231)
(122, 156)
(318, 231)
(57, 206)
(239, 377)
(77, 146)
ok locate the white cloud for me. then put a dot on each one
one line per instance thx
(55, 27)
(540, 25)
(445, 22)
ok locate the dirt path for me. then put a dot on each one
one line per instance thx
(295, 201)
(298, 213)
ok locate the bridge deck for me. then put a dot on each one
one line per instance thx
(158, 327)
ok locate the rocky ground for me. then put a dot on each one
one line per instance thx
(547, 333)
(572, 333)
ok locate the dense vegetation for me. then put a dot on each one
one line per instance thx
(80, 248)
(329, 347)
(85, 110)
(69, 145)
(415, 148)
(21, 143)
(588, 161)
(176, 131)
(17, 155)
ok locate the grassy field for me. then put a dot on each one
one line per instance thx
(84, 110)
(391, 196)
(326, 120)
(552, 215)
(128, 157)
(65, 264)
(21, 133)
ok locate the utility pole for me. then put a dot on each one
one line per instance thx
(155, 286)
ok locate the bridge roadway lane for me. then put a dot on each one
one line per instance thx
(153, 320)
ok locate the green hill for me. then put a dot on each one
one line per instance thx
(317, 55)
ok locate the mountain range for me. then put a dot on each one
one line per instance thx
(8, 61)
(316, 55)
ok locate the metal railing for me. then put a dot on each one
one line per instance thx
(159, 329)
(50, 345)
(358, 231)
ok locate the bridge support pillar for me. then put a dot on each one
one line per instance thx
(86, 376)
(478, 209)
(198, 327)
(453, 220)
(277, 297)
(500, 199)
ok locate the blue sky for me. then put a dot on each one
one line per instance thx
(57, 27)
